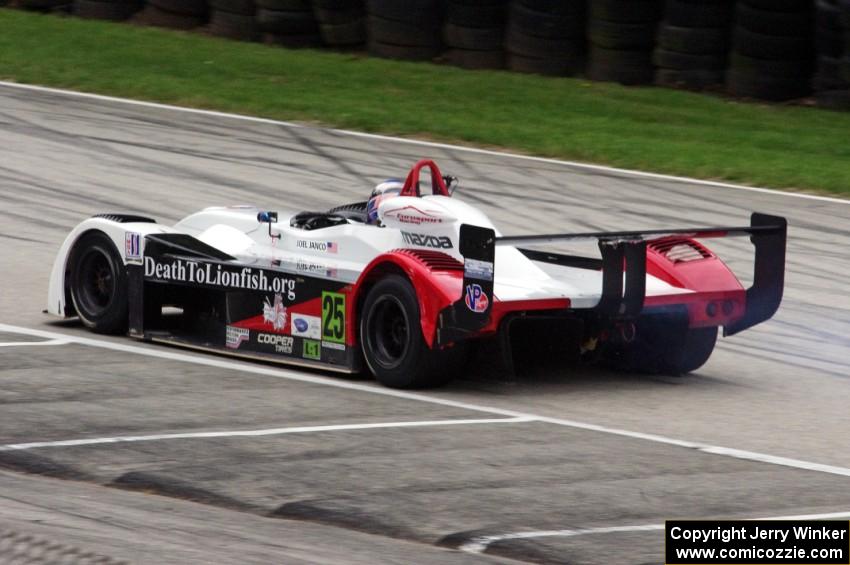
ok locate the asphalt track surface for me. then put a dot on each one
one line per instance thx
(186, 458)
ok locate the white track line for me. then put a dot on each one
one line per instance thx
(449, 146)
(259, 433)
(480, 544)
(27, 343)
(374, 389)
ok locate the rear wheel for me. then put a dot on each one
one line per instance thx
(98, 284)
(392, 341)
(664, 345)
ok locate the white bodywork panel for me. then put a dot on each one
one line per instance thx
(343, 251)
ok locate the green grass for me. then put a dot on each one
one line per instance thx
(650, 129)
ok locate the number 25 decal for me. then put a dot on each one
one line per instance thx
(333, 317)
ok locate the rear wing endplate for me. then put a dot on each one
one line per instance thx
(621, 296)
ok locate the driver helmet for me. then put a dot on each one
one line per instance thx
(384, 191)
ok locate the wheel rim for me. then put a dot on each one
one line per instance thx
(96, 282)
(388, 332)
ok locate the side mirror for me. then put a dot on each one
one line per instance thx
(268, 218)
(452, 183)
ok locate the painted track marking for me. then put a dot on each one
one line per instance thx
(375, 389)
(480, 544)
(436, 145)
(260, 433)
(29, 343)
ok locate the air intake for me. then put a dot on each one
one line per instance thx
(680, 250)
(434, 260)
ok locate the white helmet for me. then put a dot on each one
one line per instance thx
(387, 189)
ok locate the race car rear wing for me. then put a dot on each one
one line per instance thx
(621, 297)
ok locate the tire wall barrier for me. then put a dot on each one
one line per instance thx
(775, 50)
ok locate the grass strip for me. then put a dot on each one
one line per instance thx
(650, 129)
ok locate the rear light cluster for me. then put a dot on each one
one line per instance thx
(679, 250)
(713, 308)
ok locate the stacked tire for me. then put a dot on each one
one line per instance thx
(473, 33)
(622, 38)
(772, 51)
(342, 22)
(290, 23)
(234, 19)
(832, 79)
(407, 30)
(176, 14)
(692, 45)
(113, 10)
(44, 5)
(545, 37)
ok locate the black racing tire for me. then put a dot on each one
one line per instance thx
(391, 338)
(616, 35)
(293, 40)
(469, 15)
(97, 282)
(545, 24)
(566, 8)
(625, 67)
(401, 33)
(348, 34)
(626, 11)
(423, 12)
(779, 5)
(287, 23)
(243, 7)
(339, 17)
(519, 43)
(693, 79)
(561, 65)
(834, 99)
(471, 59)
(765, 87)
(698, 13)
(829, 43)
(827, 16)
(780, 68)
(696, 41)
(196, 8)
(240, 27)
(665, 345)
(764, 46)
(100, 10)
(829, 76)
(339, 5)
(152, 15)
(769, 22)
(286, 5)
(476, 38)
(684, 61)
(403, 52)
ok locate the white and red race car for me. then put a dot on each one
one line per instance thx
(408, 292)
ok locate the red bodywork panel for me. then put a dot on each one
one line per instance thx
(438, 279)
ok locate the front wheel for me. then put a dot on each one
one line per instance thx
(392, 341)
(98, 284)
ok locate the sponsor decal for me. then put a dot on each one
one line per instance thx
(282, 343)
(333, 317)
(425, 240)
(275, 314)
(234, 337)
(476, 299)
(218, 275)
(306, 326)
(475, 269)
(323, 246)
(133, 246)
(413, 215)
(332, 345)
(316, 268)
(312, 349)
